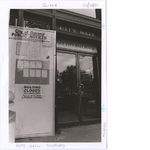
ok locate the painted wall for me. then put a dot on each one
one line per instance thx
(34, 114)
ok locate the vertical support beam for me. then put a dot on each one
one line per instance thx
(99, 94)
(57, 130)
(79, 97)
(99, 61)
(98, 13)
(20, 18)
(98, 16)
(54, 19)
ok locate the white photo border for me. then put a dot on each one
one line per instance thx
(4, 17)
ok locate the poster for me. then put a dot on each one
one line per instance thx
(32, 76)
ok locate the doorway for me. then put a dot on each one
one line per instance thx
(78, 89)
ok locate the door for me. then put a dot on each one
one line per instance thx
(67, 88)
(89, 97)
(77, 88)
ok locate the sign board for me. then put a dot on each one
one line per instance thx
(80, 47)
(32, 79)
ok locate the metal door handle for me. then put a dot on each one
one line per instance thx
(80, 88)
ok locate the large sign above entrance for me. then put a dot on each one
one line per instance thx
(76, 46)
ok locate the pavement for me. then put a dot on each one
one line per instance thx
(83, 133)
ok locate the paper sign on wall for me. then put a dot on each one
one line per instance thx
(32, 76)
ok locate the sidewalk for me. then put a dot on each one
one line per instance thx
(85, 133)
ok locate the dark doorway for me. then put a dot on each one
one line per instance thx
(78, 95)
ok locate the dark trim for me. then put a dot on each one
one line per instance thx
(80, 23)
(54, 19)
(84, 122)
(79, 35)
(68, 124)
(56, 100)
(78, 39)
(78, 95)
(87, 54)
(91, 121)
(64, 51)
(13, 16)
(75, 51)
(41, 12)
(99, 84)
(20, 18)
(98, 13)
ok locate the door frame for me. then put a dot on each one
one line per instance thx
(72, 123)
(93, 120)
(81, 121)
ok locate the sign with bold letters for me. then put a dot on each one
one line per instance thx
(32, 76)
(76, 46)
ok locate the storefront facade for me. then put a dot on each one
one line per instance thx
(78, 61)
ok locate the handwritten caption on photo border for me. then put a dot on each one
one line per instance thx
(40, 146)
(104, 129)
(85, 5)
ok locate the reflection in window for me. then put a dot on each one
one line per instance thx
(86, 71)
(66, 88)
(66, 72)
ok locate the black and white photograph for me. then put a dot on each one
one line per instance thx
(57, 76)
(74, 75)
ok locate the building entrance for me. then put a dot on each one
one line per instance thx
(78, 95)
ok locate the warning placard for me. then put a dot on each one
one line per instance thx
(32, 92)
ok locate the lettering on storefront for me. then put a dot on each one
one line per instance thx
(49, 5)
(76, 46)
(90, 5)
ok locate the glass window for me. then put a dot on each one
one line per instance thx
(66, 71)
(66, 88)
